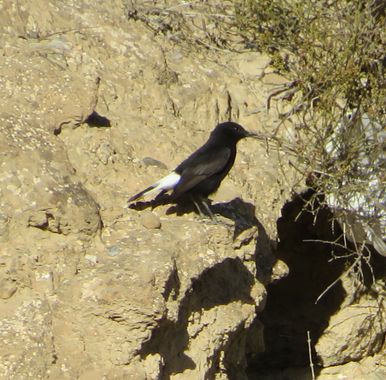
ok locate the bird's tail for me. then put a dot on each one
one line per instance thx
(163, 185)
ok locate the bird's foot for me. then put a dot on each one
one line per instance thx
(213, 220)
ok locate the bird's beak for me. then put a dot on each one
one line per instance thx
(252, 134)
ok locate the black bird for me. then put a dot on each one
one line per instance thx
(202, 172)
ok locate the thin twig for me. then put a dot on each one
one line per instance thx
(327, 242)
(357, 260)
(285, 87)
(310, 355)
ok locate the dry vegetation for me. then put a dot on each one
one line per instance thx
(333, 53)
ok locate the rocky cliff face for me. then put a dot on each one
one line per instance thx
(94, 107)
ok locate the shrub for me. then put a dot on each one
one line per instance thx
(333, 54)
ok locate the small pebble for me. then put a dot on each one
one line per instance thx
(150, 220)
(113, 251)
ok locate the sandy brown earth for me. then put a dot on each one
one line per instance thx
(90, 289)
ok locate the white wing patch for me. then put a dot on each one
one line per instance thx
(168, 183)
(165, 184)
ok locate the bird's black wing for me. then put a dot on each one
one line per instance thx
(200, 166)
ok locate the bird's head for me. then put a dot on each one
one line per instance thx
(231, 131)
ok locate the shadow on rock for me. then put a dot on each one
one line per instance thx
(291, 310)
(222, 284)
(96, 120)
(243, 215)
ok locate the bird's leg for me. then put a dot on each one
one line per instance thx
(197, 207)
(207, 208)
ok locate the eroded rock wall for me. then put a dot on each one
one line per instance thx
(95, 106)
